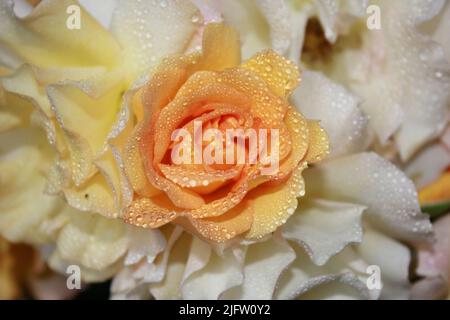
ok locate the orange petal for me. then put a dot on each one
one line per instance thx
(280, 74)
(438, 191)
(191, 176)
(220, 229)
(221, 48)
(135, 171)
(149, 212)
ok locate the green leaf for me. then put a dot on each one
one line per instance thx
(437, 209)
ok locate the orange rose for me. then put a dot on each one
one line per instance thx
(219, 201)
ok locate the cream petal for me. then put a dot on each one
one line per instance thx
(438, 28)
(337, 109)
(331, 13)
(132, 282)
(61, 265)
(369, 180)
(144, 243)
(392, 257)
(408, 74)
(102, 11)
(150, 30)
(303, 275)
(224, 271)
(428, 165)
(92, 240)
(264, 264)
(248, 19)
(199, 255)
(169, 287)
(324, 228)
(24, 157)
(278, 17)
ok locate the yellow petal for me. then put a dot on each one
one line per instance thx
(43, 39)
(318, 143)
(274, 205)
(86, 121)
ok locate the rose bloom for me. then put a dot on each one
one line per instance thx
(112, 201)
(214, 89)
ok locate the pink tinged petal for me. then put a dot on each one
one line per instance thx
(435, 261)
(430, 288)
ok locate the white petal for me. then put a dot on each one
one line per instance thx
(144, 243)
(199, 256)
(151, 30)
(132, 281)
(324, 228)
(333, 13)
(302, 276)
(428, 165)
(245, 17)
(369, 180)
(438, 28)
(218, 275)
(264, 264)
(319, 98)
(392, 257)
(102, 11)
(169, 287)
(278, 17)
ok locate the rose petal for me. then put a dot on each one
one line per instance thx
(337, 109)
(224, 271)
(303, 276)
(428, 165)
(324, 228)
(264, 264)
(49, 43)
(390, 197)
(151, 30)
(435, 261)
(94, 241)
(392, 257)
(274, 205)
